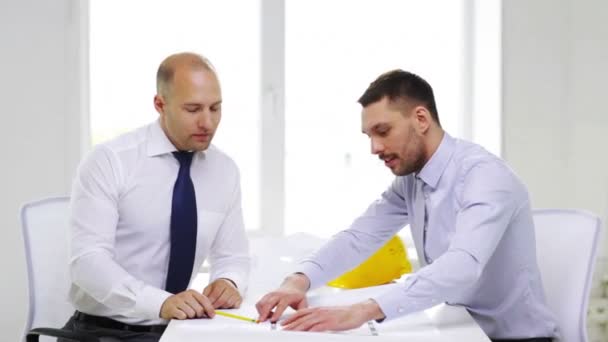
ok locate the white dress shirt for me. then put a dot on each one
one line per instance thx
(120, 224)
(476, 243)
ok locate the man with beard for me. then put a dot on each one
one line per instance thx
(469, 215)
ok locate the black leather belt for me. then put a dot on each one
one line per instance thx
(108, 323)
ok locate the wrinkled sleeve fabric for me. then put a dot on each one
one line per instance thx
(229, 255)
(347, 249)
(93, 222)
(488, 196)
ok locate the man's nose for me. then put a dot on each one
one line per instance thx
(204, 120)
(377, 146)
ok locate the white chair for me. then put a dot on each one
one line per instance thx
(45, 234)
(566, 242)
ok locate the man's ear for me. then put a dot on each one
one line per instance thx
(422, 118)
(159, 104)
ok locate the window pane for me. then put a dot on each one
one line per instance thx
(128, 39)
(334, 49)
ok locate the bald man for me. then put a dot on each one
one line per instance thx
(149, 207)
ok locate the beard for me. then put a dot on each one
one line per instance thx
(413, 159)
(414, 163)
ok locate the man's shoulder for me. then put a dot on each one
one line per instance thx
(117, 150)
(220, 158)
(468, 155)
(472, 161)
(128, 140)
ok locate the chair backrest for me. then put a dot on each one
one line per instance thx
(566, 243)
(45, 233)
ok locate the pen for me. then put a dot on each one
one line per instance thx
(242, 318)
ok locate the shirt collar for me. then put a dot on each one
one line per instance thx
(158, 143)
(434, 168)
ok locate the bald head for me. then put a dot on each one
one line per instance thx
(166, 70)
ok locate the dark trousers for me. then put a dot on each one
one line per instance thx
(538, 339)
(109, 330)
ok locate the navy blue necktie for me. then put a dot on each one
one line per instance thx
(183, 227)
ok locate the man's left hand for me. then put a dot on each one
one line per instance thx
(223, 294)
(335, 318)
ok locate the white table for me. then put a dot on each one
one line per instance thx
(272, 260)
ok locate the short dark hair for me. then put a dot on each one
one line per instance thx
(399, 85)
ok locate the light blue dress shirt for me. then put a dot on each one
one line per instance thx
(476, 243)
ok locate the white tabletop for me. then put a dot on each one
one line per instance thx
(440, 323)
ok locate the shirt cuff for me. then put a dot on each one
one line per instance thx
(149, 302)
(397, 302)
(311, 270)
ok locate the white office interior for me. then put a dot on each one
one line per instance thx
(552, 69)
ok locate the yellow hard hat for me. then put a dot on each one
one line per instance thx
(388, 263)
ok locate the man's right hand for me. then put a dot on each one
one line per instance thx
(291, 293)
(187, 304)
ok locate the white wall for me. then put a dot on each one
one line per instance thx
(39, 130)
(555, 113)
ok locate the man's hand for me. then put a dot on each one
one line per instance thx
(335, 318)
(223, 294)
(187, 304)
(291, 293)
